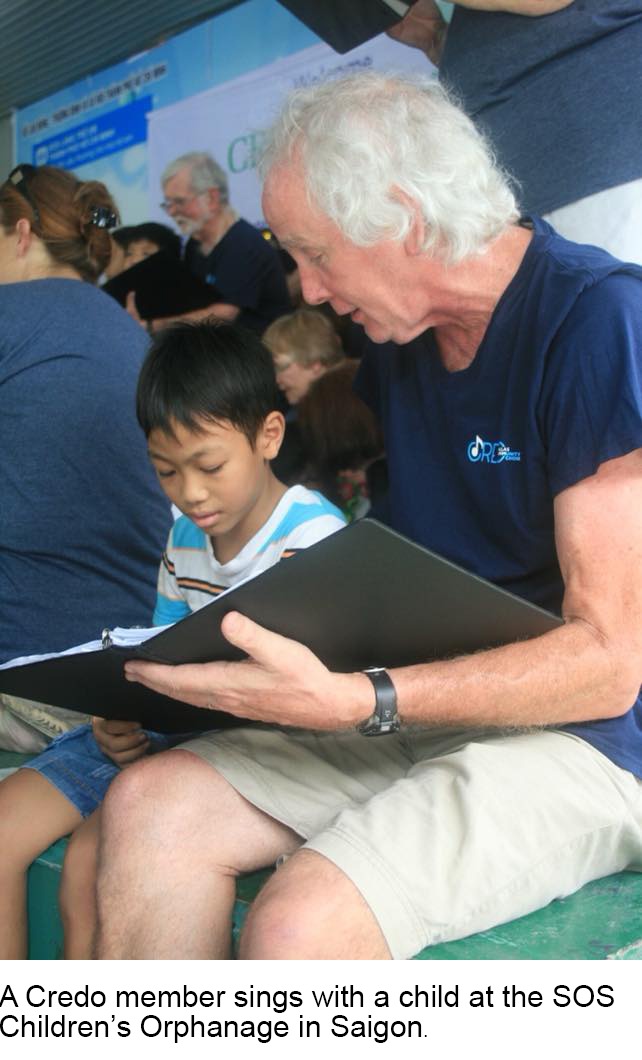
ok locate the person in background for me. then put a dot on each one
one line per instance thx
(343, 442)
(82, 519)
(222, 248)
(119, 243)
(147, 239)
(555, 85)
(304, 345)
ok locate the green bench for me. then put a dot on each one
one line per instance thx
(602, 920)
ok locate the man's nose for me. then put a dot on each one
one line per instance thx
(313, 289)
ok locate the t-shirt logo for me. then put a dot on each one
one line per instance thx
(490, 452)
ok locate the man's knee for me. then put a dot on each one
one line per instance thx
(163, 786)
(177, 801)
(310, 910)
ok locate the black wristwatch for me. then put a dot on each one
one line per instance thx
(385, 718)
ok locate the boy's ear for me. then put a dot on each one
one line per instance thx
(271, 435)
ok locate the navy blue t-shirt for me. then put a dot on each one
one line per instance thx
(247, 272)
(476, 457)
(83, 522)
(558, 95)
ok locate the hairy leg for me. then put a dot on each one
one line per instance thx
(77, 894)
(33, 813)
(174, 837)
(310, 910)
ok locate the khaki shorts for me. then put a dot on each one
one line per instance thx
(443, 833)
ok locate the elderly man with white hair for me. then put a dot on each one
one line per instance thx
(507, 380)
(222, 248)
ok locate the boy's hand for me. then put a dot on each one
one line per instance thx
(122, 741)
(282, 682)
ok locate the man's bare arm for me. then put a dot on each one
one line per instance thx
(220, 310)
(533, 8)
(589, 668)
(425, 28)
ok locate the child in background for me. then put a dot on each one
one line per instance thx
(207, 402)
(343, 442)
(304, 345)
(147, 239)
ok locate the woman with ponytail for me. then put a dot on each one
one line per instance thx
(82, 519)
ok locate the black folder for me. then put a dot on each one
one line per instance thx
(345, 25)
(164, 287)
(366, 596)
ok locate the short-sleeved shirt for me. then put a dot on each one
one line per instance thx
(190, 576)
(246, 272)
(557, 95)
(476, 457)
(82, 517)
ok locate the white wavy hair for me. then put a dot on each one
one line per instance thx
(365, 138)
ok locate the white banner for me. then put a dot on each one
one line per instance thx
(228, 121)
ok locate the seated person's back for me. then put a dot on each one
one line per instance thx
(83, 519)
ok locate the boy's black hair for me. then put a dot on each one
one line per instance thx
(207, 371)
(164, 237)
(123, 235)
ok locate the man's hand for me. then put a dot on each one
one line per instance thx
(282, 682)
(122, 741)
(423, 28)
(132, 308)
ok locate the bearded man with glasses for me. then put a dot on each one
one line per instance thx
(222, 248)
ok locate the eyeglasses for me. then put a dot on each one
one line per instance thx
(179, 202)
(19, 177)
(282, 362)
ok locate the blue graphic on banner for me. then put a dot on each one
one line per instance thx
(103, 135)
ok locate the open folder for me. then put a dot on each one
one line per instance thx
(366, 596)
(163, 286)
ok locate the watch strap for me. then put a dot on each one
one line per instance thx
(385, 718)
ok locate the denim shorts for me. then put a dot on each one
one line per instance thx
(76, 766)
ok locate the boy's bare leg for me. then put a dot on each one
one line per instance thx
(77, 894)
(174, 837)
(33, 814)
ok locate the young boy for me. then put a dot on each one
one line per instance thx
(207, 402)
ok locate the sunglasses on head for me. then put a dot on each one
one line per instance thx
(101, 216)
(20, 177)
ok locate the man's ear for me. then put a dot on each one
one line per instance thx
(24, 237)
(271, 434)
(416, 234)
(214, 198)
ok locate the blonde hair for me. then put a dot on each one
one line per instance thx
(306, 336)
(64, 224)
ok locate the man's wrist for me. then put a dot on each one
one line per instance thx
(384, 720)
